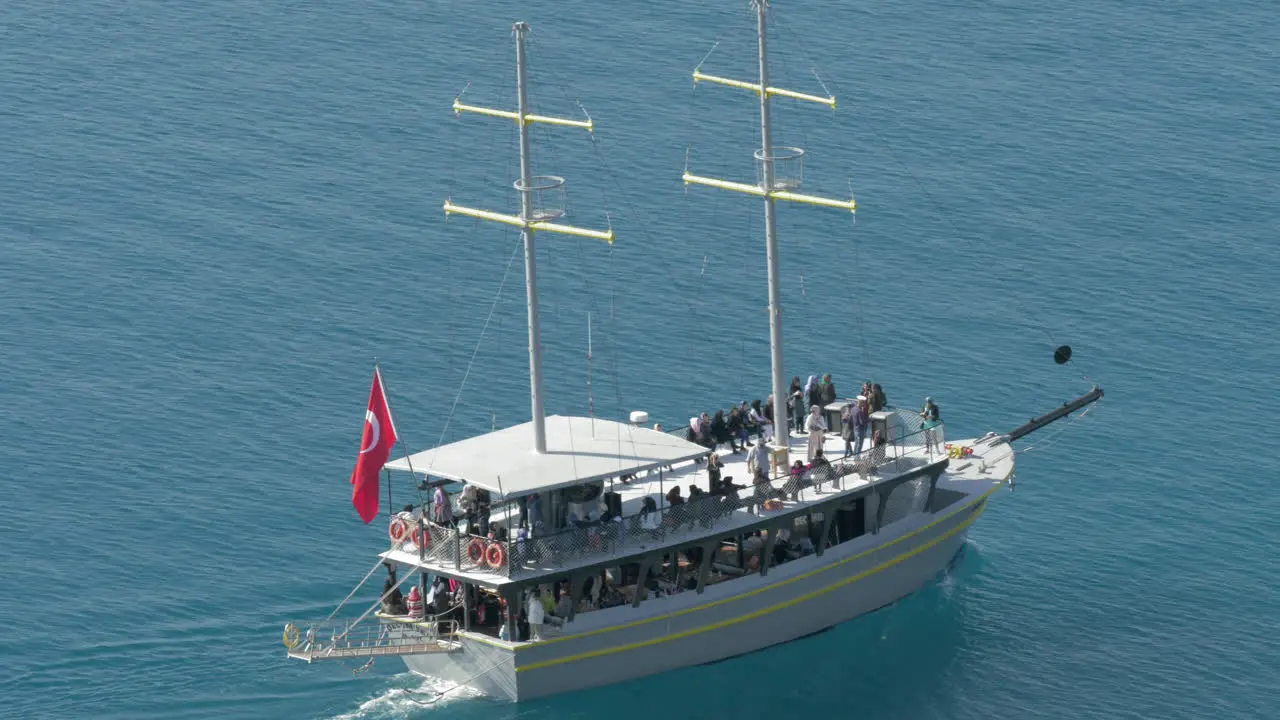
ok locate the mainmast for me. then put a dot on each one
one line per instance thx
(779, 171)
(541, 203)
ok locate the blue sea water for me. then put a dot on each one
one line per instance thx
(215, 215)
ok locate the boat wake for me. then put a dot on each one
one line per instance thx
(404, 699)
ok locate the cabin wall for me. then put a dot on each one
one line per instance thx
(797, 598)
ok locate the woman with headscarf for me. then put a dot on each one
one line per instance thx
(811, 392)
(441, 508)
(816, 426)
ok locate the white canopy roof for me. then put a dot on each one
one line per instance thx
(579, 450)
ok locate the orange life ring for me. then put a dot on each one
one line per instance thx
(419, 537)
(475, 551)
(398, 530)
(495, 556)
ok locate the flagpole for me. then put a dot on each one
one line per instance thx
(377, 369)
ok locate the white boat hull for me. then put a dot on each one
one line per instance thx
(796, 599)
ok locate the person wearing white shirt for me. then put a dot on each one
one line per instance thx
(816, 426)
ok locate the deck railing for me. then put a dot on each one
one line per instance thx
(338, 639)
(453, 548)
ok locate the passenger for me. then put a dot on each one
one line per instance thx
(749, 426)
(441, 508)
(768, 412)
(763, 491)
(713, 473)
(564, 606)
(811, 392)
(547, 598)
(878, 442)
(695, 492)
(737, 430)
(846, 428)
(878, 400)
(796, 480)
(816, 426)
(827, 391)
(758, 459)
(932, 419)
(780, 546)
(537, 615)
(650, 518)
(795, 404)
(483, 505)
(535, 511)
(522, 547)
(764, 427)
(806, 545)
(705, 436)
(392, 599)
(819, 460)
(673, 496)
(861, 419)
(720, 434)
(820, 470)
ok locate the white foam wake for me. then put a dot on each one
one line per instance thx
(404, 699)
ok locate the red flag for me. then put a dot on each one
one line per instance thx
(375, 448)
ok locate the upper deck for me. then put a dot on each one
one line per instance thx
(633, 535)
(579, 450)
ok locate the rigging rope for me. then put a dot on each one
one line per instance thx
(351, 594)
(467, 373)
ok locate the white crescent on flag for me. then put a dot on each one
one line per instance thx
(372, 419)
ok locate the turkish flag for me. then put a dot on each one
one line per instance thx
(375, 448)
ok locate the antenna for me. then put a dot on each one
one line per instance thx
(591, 401)
(779, 171)
(541, 203)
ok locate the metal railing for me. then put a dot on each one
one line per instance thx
(454, 548)
(338, 639)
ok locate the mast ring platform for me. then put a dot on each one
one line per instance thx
(788, 167)
(546, 193)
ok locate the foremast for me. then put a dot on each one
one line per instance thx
(771, 187)
(541, 203)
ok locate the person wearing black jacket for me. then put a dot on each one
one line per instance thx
(795, 404)
(737, 430)
(720, 432)
(826, 391)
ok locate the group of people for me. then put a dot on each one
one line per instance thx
(735, 429)
(802, 399)
(551, 605)
(474, 504)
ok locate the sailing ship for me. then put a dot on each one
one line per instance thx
(575, 568)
